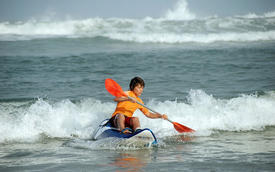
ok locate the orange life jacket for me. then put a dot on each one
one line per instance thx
(128, 108)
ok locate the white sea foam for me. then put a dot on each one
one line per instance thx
(178, 25)
(199, 38)
(269, 14)
(155, 31)
(204, 113)
(253, 15)
(142, 31)
(61, 119)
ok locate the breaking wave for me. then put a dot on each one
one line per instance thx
(27, 121)
(178, 25)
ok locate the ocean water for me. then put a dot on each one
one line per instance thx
(215, 75)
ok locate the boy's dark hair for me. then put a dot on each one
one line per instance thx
(135, 81)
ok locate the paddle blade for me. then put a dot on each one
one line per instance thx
(181, 128)
(113, 88)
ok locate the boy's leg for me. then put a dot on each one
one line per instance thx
(120, 121)
(134, 122)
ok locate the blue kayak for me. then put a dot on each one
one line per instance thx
(142, 136)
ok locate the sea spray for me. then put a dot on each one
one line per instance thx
(205, 113)
(180, 12)
(147, 30)
(202, 112)
(60, 119)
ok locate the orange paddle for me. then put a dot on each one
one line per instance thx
(114, 88)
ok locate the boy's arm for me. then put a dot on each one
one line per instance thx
(156, 115)
(121, 99)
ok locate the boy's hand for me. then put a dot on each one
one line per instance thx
(164, 116)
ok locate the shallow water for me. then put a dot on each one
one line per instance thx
(231, 151)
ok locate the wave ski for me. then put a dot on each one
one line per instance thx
(140, 138)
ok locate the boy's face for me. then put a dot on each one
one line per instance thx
(138, 90)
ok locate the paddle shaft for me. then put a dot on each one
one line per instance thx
(146, 107)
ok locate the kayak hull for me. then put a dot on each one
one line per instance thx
(141, 137)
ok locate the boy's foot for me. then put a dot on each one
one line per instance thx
(127, 130)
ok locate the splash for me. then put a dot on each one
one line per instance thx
(61, 119)
(180, 12)
(27, 121)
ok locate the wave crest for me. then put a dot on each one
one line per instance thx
(203, 112)
(145, 30)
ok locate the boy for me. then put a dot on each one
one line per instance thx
(122, 117)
